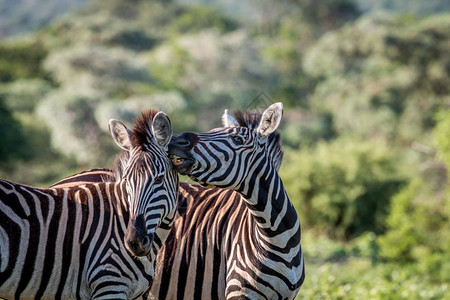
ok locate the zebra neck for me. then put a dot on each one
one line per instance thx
(269, 204)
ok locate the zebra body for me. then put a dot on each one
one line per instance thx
(208, 252)
(93, 175)
(222, 246)
(241, 243)
(94, 240)
(67, 243)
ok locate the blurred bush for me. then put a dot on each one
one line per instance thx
(74, 130)
(383, 76)
(441, 137)
(13, 143)
(207, 76)
(342, 188)
(418, 231)
(21, 60)
(196, 18)
(419, 218)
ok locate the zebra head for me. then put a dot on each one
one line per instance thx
(225, 157)
(151, 183)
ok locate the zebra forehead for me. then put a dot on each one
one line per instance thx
(142, 131)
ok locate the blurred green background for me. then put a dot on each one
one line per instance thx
(366, 129)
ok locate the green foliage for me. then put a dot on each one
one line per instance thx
(42, 164)
(328, 14)
(404, 233)
(358, 279)
(389, 82)
(418, 221)
(207, 77)
(198, 17)
(305, 130)
(342, 188)
(115, 72)
(13, 143)
(335, 270)
(23, 95)
(74, 130)
(442, 138)
(418, 230)
(21, 60)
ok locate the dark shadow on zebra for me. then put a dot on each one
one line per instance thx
(92, 240)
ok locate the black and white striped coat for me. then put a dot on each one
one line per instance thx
(214, 250)
(96, 240)
(243, 242)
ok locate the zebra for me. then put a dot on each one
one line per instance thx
(242, 239)
(93, 175)
(94, 240)
(195, 261)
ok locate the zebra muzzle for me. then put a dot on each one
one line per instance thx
(137, 239)
(176, 160)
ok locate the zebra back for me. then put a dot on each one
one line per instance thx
(90, 176)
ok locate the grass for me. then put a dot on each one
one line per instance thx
(337, 270)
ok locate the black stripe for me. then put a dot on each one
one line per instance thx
(33, 243)
(51, 242)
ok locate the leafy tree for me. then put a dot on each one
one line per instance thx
(21, 60)
(198, 17)
(418, 230)
(74, 130)
(206, 75)
(382, 76)
(418, 221)
(328, 14)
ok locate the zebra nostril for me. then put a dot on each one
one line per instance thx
(183, 141)
(145, 242)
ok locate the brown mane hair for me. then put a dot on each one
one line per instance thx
(142, 127)
(140, 133)
(251, 119)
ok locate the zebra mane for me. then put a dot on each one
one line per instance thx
(142, 127)
(251, 119)
(248, 118)
(140, 133)
(119, 165)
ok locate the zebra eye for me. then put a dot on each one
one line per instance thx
(159, 179)
(238, 140)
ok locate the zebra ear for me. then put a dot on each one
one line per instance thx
(121, 134)
(162, 129)
(270, 119)
(228, 120)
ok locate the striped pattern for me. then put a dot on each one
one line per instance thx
(241, 243)
(93, 175)
(68, 242)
